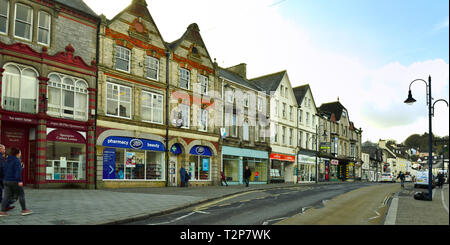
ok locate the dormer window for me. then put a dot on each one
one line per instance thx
(194, 51)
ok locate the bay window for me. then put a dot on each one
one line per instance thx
(19, 88)
(67, 97)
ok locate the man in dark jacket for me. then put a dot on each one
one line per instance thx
(3, 157)
(401, 176)
(12, 180)
(247, 174)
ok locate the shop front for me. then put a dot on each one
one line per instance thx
(235, 160)
(334, 170)
(306, 167)
(282, 168)
(131, 161)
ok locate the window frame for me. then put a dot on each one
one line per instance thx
(118, 101)
(260, 103)
(188, 107)
(49, 28)
(31, 24)
(246, 99)
(188, 78)
(118, 47)
(152, 94)
(201, 119)
(201, 79)
(147, 67)
(7, 18)
(245, 131)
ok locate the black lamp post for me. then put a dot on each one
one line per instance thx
(317, 148)
(410, 100)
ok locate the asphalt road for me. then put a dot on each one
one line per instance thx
(260, 207)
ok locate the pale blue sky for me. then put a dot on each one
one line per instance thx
(381, 30)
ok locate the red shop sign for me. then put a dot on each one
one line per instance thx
(66, 125)
(64, 135)
(282, 157)
(19, 119)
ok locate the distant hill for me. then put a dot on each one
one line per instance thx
(420, 142)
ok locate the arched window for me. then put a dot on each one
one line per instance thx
(19, 86)
(67, 97)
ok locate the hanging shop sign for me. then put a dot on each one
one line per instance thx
(334, 162)
(130, 143)
(176, 149)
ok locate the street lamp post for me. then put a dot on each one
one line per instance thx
(317, 149)
(410, 100)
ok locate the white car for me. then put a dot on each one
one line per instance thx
(408, 178)
(387, 177)
(422, 180)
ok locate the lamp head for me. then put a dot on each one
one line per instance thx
(324, 133)
(410, 100)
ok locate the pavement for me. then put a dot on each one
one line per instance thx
(118, 206)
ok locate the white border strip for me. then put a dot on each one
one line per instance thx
(392, 213)
(442, 198)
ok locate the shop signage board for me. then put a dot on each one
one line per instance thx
(282, 157)
(19, 119)
(131, 143)
(200, 151)
(64, 135)
(325, 145)
(109, 163)
(334, 162)
(66, 125)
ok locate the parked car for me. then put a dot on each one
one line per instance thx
(387, 177)
(422, 180)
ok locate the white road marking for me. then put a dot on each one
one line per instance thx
(268, 221)
(392, 212)
(180, 218)
(443, 200)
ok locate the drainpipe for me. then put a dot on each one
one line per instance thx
(167, 118)
(97, 57)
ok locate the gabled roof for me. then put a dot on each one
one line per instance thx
(335, 108)
(300, 93)
(78, 5)
(229, 75)
(269, 82)
(191, 34)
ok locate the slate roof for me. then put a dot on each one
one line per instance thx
(78, 5)
(269, 82)
(333, 107)
(229, 75)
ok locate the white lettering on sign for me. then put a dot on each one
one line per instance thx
(120, 142)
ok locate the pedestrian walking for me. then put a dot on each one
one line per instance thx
(247, 174)
(12, 179)
(182, 176)
(223, 178)
(441, 179)
(401, 176)
(3, 158)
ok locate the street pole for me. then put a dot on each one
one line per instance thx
(317, 153)
(430, 143)
(167, 119)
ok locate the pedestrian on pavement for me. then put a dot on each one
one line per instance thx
(223, 178)
(247, 174)
(12, 179)
(401, 176)
(3, 158)
(188, 177)
(441, 179)
(182, 176)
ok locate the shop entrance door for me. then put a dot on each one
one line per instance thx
(173, 171)
(17, 135)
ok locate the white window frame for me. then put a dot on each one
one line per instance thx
(276, 107)
(284, 111)
(120, 48)
(182, 108)
(150, 65)
(291, 136)
(44, 28)
(246, 131)
(291, 113)
(256, 132)
(203, 114)
(230, 97)
(7, 18)
(31, 24)
(234, 128)
(151, 108)
(283, 135)
(71, 88)
(260, 103)
(183, 76)
(118, 100)
(21, 68)
(275, 136)
(201, 80)
(300, 116)
(246, 99)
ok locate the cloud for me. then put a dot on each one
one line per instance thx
(254, 32)
(441, 25)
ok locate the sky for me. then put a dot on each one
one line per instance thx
(366, 52)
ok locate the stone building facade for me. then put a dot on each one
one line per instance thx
(48, 89)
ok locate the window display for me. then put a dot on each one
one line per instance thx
(65, 161)
(231, 167)
(199, 167)
(258, 167)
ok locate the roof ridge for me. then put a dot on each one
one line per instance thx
(268, 75)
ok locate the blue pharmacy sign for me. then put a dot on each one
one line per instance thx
(109, 163)
(130, 143)
(201, 151)
(176, 149)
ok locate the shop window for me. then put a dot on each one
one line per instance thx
(24, 22)
(67, 97)
(152, 107)
(203, 80)
(231, 167)
(277, 169)
(184, 78)
(152, 68)
(122, 59)
(19, 88)
(44, 28)
(258, 168)
(199, 167)
(118, 102)
(4, 15)
(65, 161)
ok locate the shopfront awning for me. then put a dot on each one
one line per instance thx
(133, 143)
(200, 151)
